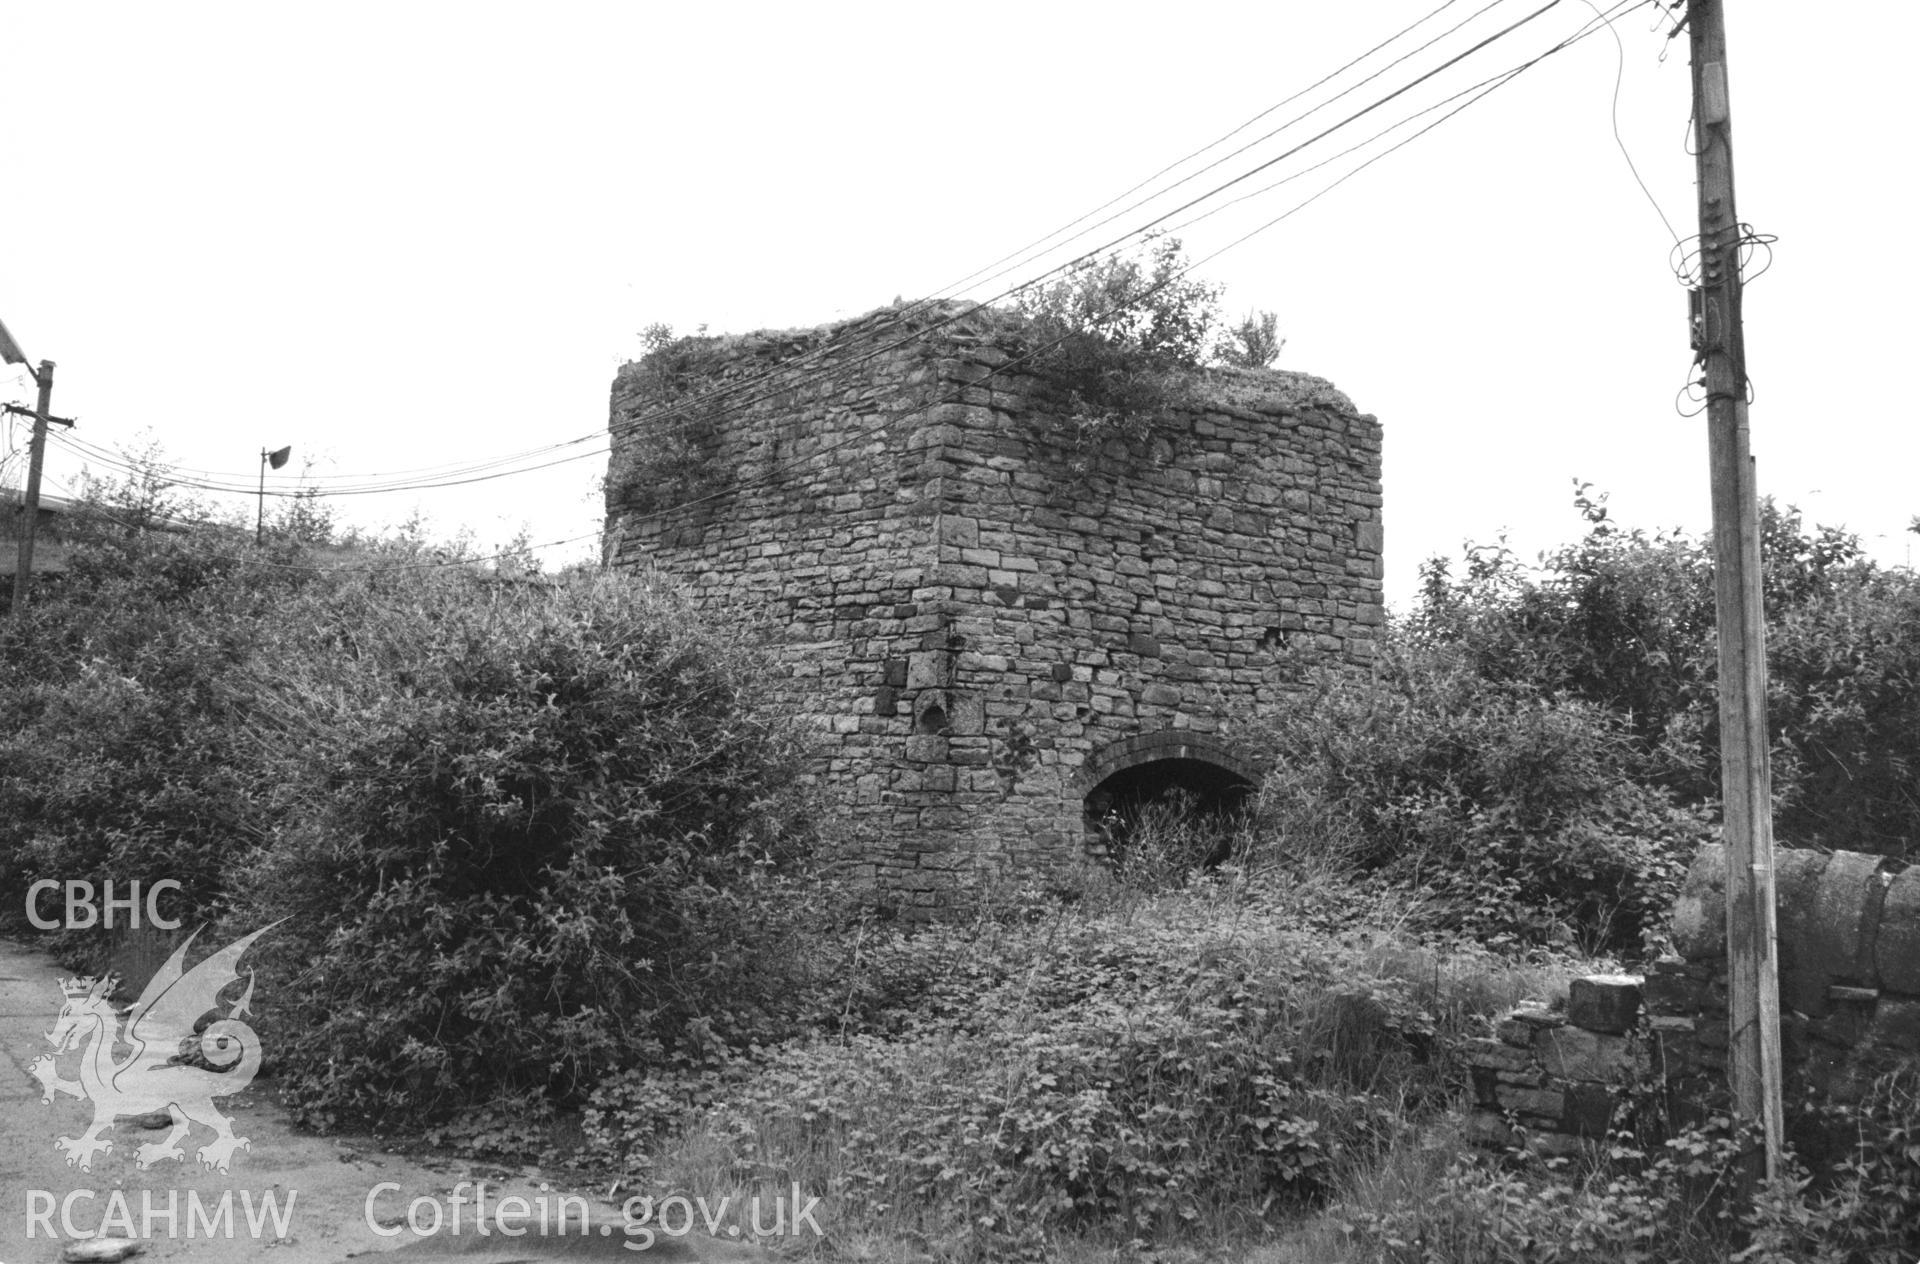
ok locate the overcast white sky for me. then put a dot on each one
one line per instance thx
(403, 235)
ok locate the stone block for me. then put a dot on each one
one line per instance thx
(1896, 950)
(1160, 696)
(956, 575)
(1558, 1145)
(1673, 994)
(1486, 1085)
(958, 531)
(1846, 911)
(926, 749)
(1699, 923)
(966, 714)
(1496, 1054)
(1849, 1017)
(1896, 1024)
(1534, 1078)
(1543, 1103)
(1487, 1129)
(1574, 1053)
(1589, 1110)
(1520, 1025)
(1803, 990)
(1605, 1002)
(1796, 888)
(929, 669)
(973, 661)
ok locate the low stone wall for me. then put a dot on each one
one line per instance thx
(1558, 1074)
(1849, 936)
(1849, 951)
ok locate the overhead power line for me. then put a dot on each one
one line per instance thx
(687, 408)
(506, 466)
(773, 474)
(1479, 92)
(741, 394)
(1032, 249)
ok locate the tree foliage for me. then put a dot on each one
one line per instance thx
(1625, 619)
(1120, 338)
(517, 817)
(1539, 748)
(1254, 343)
(524, 827)
(1143, 306)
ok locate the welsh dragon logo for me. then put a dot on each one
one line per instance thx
(156, 1074)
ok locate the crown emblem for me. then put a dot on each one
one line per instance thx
(88, 987)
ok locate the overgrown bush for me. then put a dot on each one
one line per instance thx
(1120, 339)
(1525, 817)
(1538, 746)
(1254, 343)
(1624, 619)
(525, 831)
(1190, 1061)
(119, 757)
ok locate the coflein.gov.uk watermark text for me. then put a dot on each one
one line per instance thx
(470, 1209)
(643, 1219)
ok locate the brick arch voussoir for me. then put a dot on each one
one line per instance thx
(1148, 748)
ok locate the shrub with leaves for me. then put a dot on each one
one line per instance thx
(1624, 619)
(525, 835)
(1254, 343)
(119, 683)
(1525, 817)
(1120, 338)
(1124, 1074)
(1538, 747)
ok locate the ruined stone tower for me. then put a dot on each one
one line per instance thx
(992, 627)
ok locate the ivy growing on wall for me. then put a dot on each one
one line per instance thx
(677, 458)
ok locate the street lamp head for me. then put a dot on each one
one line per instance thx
(9, 349)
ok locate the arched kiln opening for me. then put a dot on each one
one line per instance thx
(1168, 805)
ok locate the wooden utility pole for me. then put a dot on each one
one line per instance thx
(30, 507)
(1753, 975)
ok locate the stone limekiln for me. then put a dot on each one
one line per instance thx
(994, 634)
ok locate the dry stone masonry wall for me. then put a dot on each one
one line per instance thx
(982, 623)
(1554, 1077)
(1849, 955)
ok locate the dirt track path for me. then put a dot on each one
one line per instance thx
(335, 1197)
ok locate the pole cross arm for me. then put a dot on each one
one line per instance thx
(19, 410)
